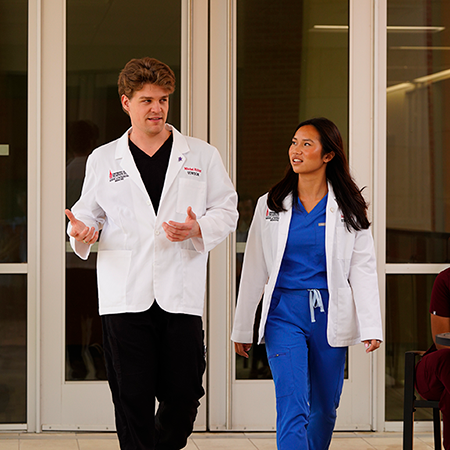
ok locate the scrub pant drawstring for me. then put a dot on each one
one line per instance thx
(315, 301)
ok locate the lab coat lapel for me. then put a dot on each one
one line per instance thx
(283, 227)
(177, 159)
(331, 217)
(127, 163)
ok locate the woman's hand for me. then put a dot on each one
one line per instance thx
(371, 345)
(242, 349)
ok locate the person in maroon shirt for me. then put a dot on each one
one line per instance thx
(433, 370)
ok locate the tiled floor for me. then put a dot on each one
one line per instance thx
(207, 441)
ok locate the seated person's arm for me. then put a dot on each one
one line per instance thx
(439, 325)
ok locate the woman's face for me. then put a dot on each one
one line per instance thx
(305, 152)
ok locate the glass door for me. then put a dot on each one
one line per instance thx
(13, 214)
(97, 39)
(295, 62)
(98, 46)
(292, 64)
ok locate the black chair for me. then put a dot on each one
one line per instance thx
(410, 403)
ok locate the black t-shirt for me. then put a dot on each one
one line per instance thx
(153, 168)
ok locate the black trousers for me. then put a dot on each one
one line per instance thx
(154, 354)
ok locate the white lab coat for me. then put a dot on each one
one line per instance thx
(354, 305)
(136, 262)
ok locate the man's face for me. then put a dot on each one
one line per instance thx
(148, 109)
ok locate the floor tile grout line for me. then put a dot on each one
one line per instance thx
(368, 443)
(196, 446)
(431, 446)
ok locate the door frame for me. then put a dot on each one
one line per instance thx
(53, 403)
(34, 216)
(367, 116)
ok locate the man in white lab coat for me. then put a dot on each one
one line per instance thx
(162, 201)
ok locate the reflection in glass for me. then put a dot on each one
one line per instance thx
(101, 38)
(418, 127)
(288, 71)
(13, 349)
(13, 132)
(407, 328)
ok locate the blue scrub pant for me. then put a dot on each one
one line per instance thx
(307, 372)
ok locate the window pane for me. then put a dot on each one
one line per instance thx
(418, 127)
(13, 349)
(13, 131)
(13, 209)
(289, 69)
(101, 38)
(407, 328)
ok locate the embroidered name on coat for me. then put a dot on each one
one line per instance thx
(272, 216)
(193, 171)
(117, 176)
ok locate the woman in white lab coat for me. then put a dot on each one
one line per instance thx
(311, 252)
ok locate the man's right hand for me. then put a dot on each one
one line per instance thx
(80, 231)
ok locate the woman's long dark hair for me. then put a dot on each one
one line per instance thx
(348, 196)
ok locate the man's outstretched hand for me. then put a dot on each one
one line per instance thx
(80, 231)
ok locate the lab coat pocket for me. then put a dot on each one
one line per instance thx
(193, 263)
(191, 193)
(283, 377)
(113, 267)
(346, 314)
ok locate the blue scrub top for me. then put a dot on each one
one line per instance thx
(304, 263)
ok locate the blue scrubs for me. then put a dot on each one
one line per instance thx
(308, 372)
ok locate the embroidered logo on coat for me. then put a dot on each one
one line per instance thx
(272, 216)
(117, 176)
(194, 171)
